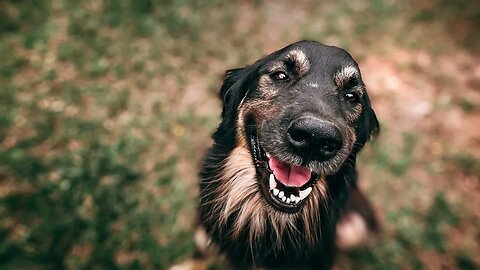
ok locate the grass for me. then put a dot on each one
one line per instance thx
(465, 162)
(107, 106)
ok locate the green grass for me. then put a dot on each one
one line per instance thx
(467, 163)
(106, 108)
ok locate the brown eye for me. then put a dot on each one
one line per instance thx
(279, 76)
(352, 97)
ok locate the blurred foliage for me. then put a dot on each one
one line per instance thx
(95, 128)
(410, 236)
(466, 163)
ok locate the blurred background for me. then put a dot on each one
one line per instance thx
(106, 109)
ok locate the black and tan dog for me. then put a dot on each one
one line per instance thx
(282, 166)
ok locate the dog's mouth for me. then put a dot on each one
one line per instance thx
(285, 186)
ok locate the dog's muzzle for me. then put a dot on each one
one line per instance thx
(285, 186)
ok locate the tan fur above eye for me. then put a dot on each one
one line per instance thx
(344, 75)
(300, 60)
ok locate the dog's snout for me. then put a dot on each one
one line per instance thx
(314, 138)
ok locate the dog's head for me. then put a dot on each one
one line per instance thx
(302, 113)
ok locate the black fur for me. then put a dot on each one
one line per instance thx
(242, 84)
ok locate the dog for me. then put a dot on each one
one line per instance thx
(275, 185)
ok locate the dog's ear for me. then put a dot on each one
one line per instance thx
(368, 125)
(235, 87)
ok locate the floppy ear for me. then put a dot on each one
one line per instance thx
(235, 87)
(368, 125)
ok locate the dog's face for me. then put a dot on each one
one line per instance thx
(302, 113)
(292, 125)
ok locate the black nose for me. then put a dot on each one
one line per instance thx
(314, 139)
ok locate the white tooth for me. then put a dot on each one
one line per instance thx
(275, 191)
(284, 198)
(281, 194)
(288, 200)
(272, 182)
(293, 198)
(268, 155)
(304, 193)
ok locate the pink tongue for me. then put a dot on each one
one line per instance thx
(288, 174)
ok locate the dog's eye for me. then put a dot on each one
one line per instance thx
(352, 97)
(279, 76)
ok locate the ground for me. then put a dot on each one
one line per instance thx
(106, 108)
